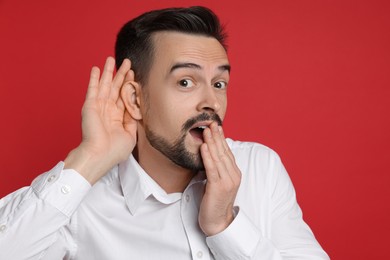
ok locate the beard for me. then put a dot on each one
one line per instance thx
(176, 151)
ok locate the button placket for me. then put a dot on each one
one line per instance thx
(189, 212)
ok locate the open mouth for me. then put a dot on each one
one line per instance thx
(197, 132)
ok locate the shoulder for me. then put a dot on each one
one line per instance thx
(252, 150)
(257, 162)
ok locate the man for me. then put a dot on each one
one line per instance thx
(154, 176)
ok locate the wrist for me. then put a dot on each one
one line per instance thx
(86, 163)
(218, 227)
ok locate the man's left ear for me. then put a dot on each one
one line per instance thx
(130, 94)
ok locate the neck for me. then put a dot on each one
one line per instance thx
(170, 176)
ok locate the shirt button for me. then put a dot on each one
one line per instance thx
(187, 198)
(3, 228)
(199, 254)
(65, 189)
(51, 178)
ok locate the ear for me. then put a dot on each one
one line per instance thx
(130, 94)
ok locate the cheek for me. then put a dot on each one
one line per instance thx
(223, 103)
(166, 117)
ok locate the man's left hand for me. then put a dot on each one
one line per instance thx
(223, 181)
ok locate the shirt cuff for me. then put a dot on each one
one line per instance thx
(238, 241)
(63, 189)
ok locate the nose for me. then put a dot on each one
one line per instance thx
(209, 100)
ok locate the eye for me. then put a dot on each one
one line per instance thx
(186, 83)
(220, 85)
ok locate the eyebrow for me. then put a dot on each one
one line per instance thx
(180, 65)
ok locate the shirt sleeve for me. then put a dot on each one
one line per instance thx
(242, 240)
(33, 220)
(285, 236)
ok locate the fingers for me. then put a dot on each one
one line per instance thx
(217, 158)
(106, 79)
(107, 86)
(130, 76)
(210, 167)
(225, 145)
(119, 79)
(93, 83)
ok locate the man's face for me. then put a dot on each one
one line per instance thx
(186, 91)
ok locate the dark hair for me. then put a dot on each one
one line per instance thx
(134, 40)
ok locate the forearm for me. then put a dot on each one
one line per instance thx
(33, 218)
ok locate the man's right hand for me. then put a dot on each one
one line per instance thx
(109, 132)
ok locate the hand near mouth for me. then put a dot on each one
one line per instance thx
(223, 181)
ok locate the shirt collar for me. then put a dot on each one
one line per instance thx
(137, 186)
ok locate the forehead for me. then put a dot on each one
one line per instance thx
(171, 47)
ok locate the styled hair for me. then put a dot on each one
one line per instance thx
(134, 40)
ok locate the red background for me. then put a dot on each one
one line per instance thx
(310, 79)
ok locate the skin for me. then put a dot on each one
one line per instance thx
(118, 112)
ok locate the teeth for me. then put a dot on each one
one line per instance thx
(202, 127)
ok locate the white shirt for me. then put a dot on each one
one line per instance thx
(126, 215)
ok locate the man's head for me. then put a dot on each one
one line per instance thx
(181, 73)
(134, 40)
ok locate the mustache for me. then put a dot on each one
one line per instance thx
(199, 118)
